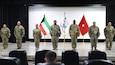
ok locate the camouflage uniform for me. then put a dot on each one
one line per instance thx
(94, 34)
(109, 33)
(74, 32)
(37, 36)
(19, 33)
(55, 33)
(5, 35)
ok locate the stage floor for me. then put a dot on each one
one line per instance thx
(82, 48)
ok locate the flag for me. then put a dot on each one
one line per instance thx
(44, 26)
(64, 24)
(83, 26)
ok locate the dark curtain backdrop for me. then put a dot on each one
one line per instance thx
(10, 15)
(110, 14)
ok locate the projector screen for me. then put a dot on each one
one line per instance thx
(91, 13)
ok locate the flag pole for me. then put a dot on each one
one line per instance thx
(83, 41)
(64, 46)
(44, 41)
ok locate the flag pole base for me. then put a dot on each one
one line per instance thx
(64, 45)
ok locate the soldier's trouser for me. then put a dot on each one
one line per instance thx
(109, 42)
(73, 40)
(93, 42)
(54, 41)
(37, 40)
(5, 42)
(19, 42)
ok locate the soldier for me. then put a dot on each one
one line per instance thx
(55, 34)
(5, 35)
(37, 36)
(109, 33)
(94, 33)
(19, 33)
(74, 32)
